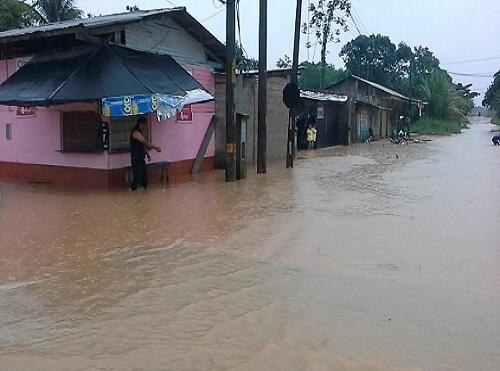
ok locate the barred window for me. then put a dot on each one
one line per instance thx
(119, 133)
(81, 132)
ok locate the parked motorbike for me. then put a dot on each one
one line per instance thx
(400, 137)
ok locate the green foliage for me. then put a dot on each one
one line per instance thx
(132, 8)
(436, 126)
(16, 14)
(284, 62)
(438, 92)
(447, 101)
(58, 10)
(376, 58)
(243, 62)
(328, 20)
(317, 76)
(492, 97)
(423, 63)
(399, 67)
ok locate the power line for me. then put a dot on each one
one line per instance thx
(213, 15)
(356, 15)
(474, 60)
(355, 25)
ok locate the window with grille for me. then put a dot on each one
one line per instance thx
(81, 132)
(119, 133)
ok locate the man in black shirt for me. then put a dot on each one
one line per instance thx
(139, 146)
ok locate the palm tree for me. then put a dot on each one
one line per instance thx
(57, 10)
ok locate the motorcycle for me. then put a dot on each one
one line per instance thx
(400, 137)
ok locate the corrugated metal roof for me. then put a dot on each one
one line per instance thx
(381, 87)
(11, 41)
(324, 97)
(92, 22)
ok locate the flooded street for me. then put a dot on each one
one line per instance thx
(369, 257)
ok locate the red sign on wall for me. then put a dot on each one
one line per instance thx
(26, 111)
(186, 114)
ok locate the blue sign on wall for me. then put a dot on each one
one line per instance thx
(129, 105)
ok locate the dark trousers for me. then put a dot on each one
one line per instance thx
(496, 140)
(140, 173)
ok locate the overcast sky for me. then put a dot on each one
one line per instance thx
(455, 30)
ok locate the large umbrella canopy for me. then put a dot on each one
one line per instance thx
(109, 71)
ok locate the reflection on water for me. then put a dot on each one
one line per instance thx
(369, 257)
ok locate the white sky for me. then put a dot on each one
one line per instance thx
(455, 30)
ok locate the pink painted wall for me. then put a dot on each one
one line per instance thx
(37, 140)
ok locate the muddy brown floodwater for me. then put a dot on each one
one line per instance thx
(371, 257)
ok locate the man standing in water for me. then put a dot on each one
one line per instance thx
(139, 146)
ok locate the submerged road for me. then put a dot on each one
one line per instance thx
(369, 257)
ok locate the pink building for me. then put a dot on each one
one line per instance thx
(46, 140)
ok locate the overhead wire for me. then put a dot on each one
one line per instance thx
(473, 60)
(213, 15)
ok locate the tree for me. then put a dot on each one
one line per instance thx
(492, 96)
(132, 8)
(447, 101)
(465, 97)
(243, 62)
(16, 14)
(316, 76)
(328, 20)
(377, 59)
(284, 62)
(423, 64)
(399, 67)
(57, 10)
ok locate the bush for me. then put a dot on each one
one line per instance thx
(435, 126)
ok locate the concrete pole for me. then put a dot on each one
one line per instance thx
(262, 100)
(294, 79)
(230, 86)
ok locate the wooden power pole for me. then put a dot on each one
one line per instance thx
(230, 85)
(294, 79)
(262, 100)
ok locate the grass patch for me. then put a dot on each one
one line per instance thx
(437, 127)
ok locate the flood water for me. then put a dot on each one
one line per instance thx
(369, 257)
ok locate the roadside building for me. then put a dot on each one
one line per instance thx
(371, 105)
(328, 113)
(71, 91)
(246, 101)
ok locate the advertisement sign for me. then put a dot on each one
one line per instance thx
(129, 105)
(26, 111)
(185, 114)
(320, 112)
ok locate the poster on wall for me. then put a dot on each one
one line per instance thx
(185, 115)
(320, 112)
(129, 105)
(26, 112)
(21, 62)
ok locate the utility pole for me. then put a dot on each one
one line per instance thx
(294, 79)
(230, 85)
(262, 100)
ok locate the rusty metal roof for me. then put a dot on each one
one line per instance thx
(382, 87)
(90, 23)
(322, 96)
(179, 14)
